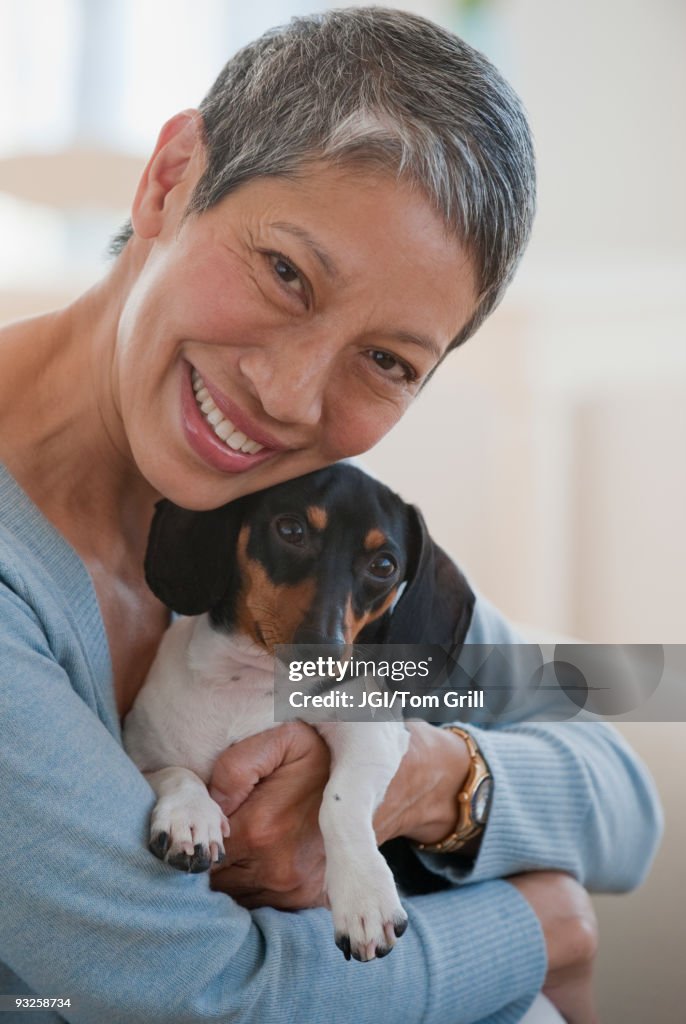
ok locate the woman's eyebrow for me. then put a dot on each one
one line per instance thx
(322, 255)
(428, 344)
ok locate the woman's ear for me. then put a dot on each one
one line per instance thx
(172, 171)
(437, 602)
(191, 556)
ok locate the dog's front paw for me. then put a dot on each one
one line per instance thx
(188, 835)
(367, 914)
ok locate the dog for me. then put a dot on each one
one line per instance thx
(331, 558)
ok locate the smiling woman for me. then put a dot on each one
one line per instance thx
(309, 334)
(347, 205)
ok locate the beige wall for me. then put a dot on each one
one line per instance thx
(640, 973)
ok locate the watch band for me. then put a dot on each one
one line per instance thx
(466, 827)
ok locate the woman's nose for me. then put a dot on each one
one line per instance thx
(289, 380)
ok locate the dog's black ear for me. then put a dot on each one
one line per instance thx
(190, 560)
(437, 602)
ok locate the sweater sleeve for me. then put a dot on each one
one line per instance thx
(570, 796)
(89, 914)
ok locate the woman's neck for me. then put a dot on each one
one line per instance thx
(60, 430)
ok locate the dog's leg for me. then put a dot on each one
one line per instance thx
(187, 827)
(367, 913)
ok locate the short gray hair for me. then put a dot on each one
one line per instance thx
(379, 86)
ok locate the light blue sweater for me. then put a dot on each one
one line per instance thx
(86, 912)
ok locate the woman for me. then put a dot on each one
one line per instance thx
(347, 206)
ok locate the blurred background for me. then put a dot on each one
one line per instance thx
(549, 455)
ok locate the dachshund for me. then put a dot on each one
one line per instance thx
(330, 558)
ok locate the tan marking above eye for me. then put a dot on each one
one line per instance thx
(374, 539)
(317, 517)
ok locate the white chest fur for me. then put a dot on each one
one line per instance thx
(206, 690)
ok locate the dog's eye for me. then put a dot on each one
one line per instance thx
(383, 566)
(290, 529)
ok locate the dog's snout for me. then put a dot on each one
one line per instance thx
(326, 646)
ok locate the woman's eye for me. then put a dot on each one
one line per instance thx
(285, 271)
(287, 274)
(392, 366)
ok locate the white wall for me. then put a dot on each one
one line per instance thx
(605, 84)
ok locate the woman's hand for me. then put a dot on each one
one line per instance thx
(270, 786)
(421, 800)
(570, 929)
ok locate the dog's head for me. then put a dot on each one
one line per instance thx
(320, 559)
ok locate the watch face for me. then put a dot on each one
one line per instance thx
(481, 800)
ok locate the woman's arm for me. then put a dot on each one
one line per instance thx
(90, 914)
(275, 856)
(568, 796)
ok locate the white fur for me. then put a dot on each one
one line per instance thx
(208, 689)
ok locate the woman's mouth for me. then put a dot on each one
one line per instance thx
(225, 430)
(212, 431)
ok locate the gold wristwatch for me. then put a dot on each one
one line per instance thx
(473, 802)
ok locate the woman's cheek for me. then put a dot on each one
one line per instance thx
(360, 424)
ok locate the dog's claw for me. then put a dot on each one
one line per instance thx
(217, 855)
(400, 927)
(200, 861)
(180, 861)
(159, 844)
(194, 863)
(365, 953)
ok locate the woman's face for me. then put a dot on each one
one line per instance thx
(301, 315)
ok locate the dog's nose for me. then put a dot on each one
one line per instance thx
(326, 646)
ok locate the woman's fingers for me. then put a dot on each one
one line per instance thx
(274, 783)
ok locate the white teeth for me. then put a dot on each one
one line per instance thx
(236, 440)
(223, 428)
